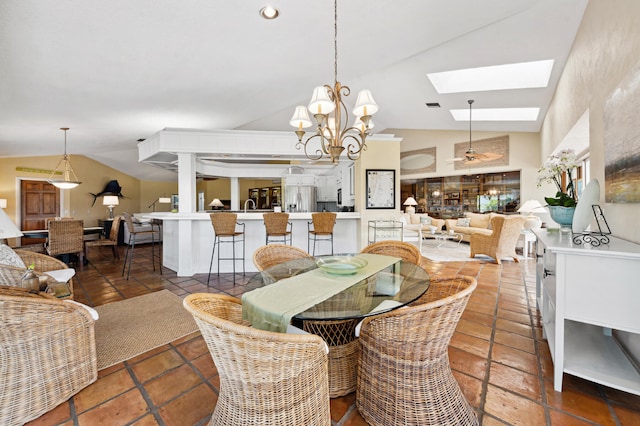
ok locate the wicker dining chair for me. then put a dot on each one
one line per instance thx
(406, 251)
(270, 255)
(66, 237)
(47, 354)
(502, 241)
(111, 241)
(277, 227)
(404, 376)
(225, 232)
(265, 377)
(321, 229)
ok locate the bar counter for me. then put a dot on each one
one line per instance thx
(188, 239)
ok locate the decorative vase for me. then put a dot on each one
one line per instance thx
(563, 216)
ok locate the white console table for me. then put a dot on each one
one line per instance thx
(584, 293)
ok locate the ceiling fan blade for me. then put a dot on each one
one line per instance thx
(452, 160)
(490, 156)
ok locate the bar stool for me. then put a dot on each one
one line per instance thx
(321, 229)
(224, 228)
(278, 227)
(131, 244)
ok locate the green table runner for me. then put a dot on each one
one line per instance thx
(272, 307)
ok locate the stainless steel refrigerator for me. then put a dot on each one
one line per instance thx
(300, 198)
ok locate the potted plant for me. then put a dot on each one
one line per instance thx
(562, 206)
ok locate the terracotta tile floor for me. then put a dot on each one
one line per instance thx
(497, 353)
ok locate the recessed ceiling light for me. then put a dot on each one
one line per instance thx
(269, 12)
(497, 114)
(523, 75)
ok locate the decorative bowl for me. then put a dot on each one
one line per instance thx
(341, 265)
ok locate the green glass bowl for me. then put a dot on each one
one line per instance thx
(341, 265)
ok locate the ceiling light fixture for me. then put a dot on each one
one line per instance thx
(269, 12)
(327, 108)
(69, 179)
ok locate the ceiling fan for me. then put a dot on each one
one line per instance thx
(470, 155)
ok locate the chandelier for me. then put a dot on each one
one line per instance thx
(330, 113)
(69, 179)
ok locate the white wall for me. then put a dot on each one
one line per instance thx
(605, 50)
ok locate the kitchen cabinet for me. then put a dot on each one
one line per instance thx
(299, 180)
(586, 296)
(327, 188)
(348, 187)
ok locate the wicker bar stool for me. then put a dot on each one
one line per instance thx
(66, 237)
(133, 233)
(404, 376)
(321, 229)
(224, 228)
(277, 227)
(266, 378)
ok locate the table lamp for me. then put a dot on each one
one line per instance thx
(110, 201)
(216, 204)
(8, 229)
(410, 202)
(533, 222)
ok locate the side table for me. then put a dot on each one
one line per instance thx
(443, 236)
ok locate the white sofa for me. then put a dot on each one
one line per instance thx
(478, 224)
(142, 224)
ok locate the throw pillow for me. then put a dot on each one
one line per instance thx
(464, 222)
(10, 258)
(425, 220)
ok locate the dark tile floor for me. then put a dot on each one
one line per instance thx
(498, 356)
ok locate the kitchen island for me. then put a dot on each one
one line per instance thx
(188, 239)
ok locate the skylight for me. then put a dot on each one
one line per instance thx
(523, 75)
(497, 114)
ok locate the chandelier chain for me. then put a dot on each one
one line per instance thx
(335, 41)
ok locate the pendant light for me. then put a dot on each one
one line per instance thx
(69, 179)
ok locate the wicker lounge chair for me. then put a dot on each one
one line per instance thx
(404, 376)
(47, 354)
(502, 241)
(265, 377)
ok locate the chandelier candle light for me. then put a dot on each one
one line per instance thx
(328, 108)
(69, 179)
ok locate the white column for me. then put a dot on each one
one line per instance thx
(235, 193)
(187, 182)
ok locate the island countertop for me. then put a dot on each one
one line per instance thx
(188, 239)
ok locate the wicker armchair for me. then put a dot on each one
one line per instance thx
(267, 256)
(66, 237)
(112, 241)
(47, 354)
(502, 241)
(404, 375)
(277, 227)
(406, 251)
(41, 263)
(265, 377)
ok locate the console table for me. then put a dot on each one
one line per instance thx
(584, 295)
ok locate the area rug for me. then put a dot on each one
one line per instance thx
(450, 251)
(134, 326)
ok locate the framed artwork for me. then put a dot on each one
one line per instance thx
(381, 189)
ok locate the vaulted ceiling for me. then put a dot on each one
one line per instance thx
(118, 71)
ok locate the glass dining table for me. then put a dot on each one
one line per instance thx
(335, 317)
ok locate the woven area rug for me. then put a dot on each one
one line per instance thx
(449, 251)
(134, 326)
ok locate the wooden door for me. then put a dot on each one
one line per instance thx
(40, 200)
